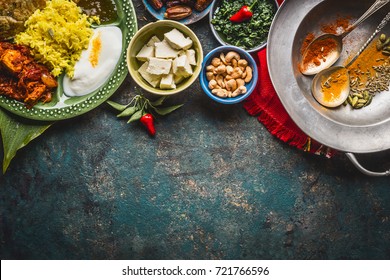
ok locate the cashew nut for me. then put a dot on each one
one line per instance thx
(237, 72)
(240, 82)
(222, 57)
(220, 82)
(210, 68)
(213, 84)
(220, 92)
(239, 90)
(229, 70)
(210, 76)
(248, 71)
(234, 63)
(231, 85)
(215, 61)
(230, 55)
(242, 63)
(220, 69)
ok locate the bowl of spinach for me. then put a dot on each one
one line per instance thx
(250, 32)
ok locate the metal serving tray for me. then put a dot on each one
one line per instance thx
(365, 130)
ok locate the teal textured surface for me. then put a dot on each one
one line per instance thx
(213, 184)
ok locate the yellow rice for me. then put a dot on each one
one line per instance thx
(57, 35)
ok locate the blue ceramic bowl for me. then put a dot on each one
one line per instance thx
(249, 86)
(194, 17)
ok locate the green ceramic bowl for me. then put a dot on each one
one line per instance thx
(158, 28)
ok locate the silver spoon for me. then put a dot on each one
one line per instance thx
(323, 76)
(311, 68)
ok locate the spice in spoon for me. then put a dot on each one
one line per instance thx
(334, 88)
(317, 52)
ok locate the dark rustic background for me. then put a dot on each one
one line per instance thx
(213, 184)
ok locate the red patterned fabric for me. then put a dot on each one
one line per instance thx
(264, 104)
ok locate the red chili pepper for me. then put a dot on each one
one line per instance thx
(243, 14)
(148, 121)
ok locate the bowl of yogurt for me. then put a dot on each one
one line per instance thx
(96, 63)
(164, 57)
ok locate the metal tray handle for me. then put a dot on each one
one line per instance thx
(355, 162)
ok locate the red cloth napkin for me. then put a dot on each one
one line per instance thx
(264, 104)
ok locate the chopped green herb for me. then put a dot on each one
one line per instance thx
(248, 34)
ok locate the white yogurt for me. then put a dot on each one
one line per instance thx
(96, 63)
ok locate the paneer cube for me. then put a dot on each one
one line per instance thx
(182, 67)
(153, 80)
(152, 41)
(191, 56)
(167, 82)
(177, 79)
(159, 66)
(164, 50)
(177, 39)
(145, 53)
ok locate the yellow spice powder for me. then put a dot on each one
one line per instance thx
(334, 84)
(362, 67)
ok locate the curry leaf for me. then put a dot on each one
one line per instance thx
(17, 133)
(167, 110)
(128, 112)
(116, 106)
(136, 116)
(158, 102)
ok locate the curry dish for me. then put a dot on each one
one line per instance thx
(23, 79)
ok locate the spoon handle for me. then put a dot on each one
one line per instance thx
(375, 7)
(377, 30)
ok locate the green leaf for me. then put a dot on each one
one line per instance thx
(17, 133)
(117, 106)
(167, 110)
(128, 112)
(136, 116)
(158, 102)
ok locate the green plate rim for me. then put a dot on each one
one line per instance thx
(76, 106)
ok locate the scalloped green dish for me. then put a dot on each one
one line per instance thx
(62, 107)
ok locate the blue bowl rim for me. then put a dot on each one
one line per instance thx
(204, 82)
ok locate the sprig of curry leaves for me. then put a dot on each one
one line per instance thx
(141, 105)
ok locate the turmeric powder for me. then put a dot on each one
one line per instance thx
(369, 75)
(362, 67)
(333, 85)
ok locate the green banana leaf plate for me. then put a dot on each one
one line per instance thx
(62, 107)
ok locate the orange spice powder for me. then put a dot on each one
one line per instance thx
(306, 42)
(317, 54)
(95, 52)
(341, 24)
(318, 51)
